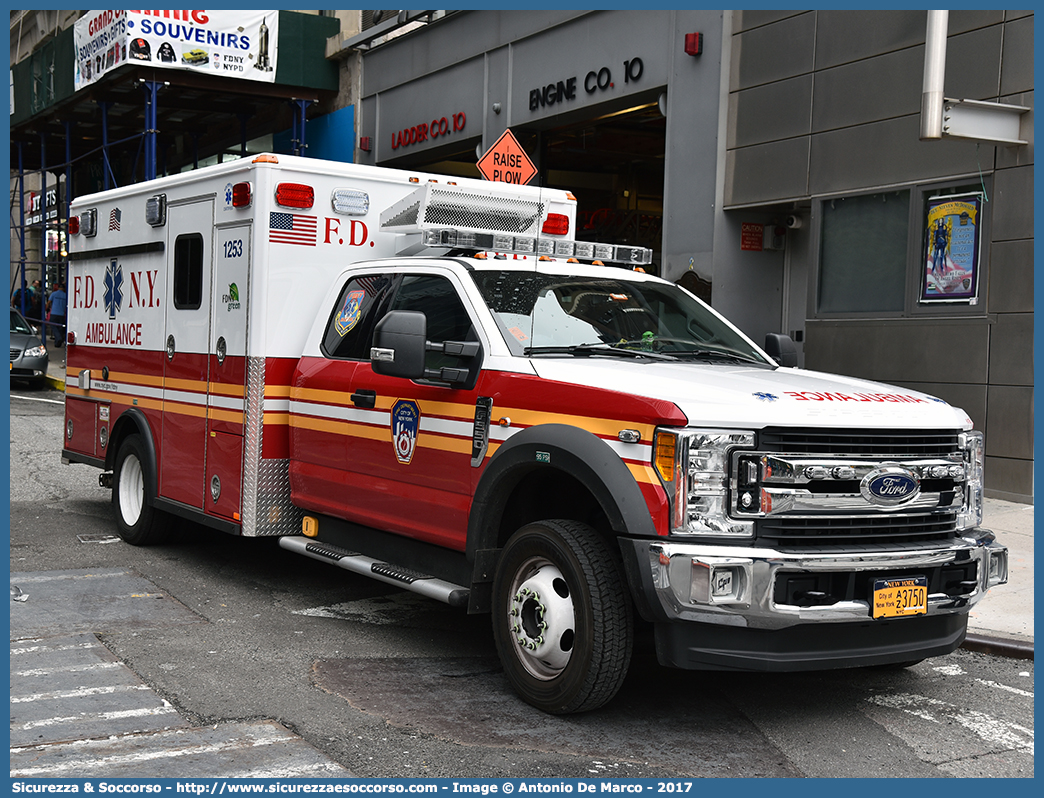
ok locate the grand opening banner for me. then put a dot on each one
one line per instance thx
(235, 44)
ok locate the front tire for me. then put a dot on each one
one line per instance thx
(137, 521)
(562, 619)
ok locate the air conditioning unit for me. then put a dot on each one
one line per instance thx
(371, 18)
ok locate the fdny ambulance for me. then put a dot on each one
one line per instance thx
(433, 382)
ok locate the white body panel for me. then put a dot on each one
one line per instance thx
(751, 398)
(287, 281)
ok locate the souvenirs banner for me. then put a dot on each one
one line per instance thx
(235, 44)
(951, 268)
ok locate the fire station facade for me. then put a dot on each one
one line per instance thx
(772, 160)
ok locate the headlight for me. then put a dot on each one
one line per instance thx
(36, 351)
(974, 450)
(693, 464)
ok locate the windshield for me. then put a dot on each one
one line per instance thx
(18, 324)
(545, 314)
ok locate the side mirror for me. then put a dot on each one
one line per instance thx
(399, 345)
(781, 348)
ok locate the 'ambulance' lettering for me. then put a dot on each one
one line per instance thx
(813, 396)
(113, 334)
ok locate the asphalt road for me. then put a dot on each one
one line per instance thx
(166, 661)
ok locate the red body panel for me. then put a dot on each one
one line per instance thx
(344, 461)
(183, 429)
(83, 417)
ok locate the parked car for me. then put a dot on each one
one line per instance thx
(28, 353)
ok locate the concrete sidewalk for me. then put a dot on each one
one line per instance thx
(1001, 623)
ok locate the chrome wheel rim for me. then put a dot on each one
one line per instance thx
(541, 618)
(132, 490)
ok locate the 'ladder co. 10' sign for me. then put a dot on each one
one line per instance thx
(507, 162)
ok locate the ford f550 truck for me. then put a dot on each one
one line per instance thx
(430, 381)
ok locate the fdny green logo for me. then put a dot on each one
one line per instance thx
(231, 299)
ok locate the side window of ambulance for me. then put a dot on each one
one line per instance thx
(188, 271)
(361, 304)
(437, 299)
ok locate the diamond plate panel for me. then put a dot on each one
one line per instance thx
(267, 509)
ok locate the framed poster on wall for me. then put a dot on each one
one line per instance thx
(951, 266)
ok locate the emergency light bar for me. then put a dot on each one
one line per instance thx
(443, 216)
(524, 245)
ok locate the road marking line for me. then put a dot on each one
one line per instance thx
(81, 693)
(94, 763)
(37, 399)
(28, 580)
(1000, 686)
(67, 647)
(991, 729)
(67, 669)
(118, 715)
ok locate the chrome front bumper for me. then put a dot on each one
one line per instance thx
(735, 586)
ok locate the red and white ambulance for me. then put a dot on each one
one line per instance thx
(432, 382)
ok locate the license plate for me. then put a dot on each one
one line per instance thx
(901, 597)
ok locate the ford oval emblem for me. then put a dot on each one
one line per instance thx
(890, 485)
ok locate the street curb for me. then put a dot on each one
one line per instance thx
(55, 382)
(998, 646)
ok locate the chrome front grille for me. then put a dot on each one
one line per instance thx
(808, 488)
(912, 528)
(870, 443)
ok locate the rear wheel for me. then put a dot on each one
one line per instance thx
(137, 521)
(562, 619)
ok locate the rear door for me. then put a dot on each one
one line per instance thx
(187, 293)
(227, 372)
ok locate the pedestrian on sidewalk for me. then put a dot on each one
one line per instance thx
(56, 307)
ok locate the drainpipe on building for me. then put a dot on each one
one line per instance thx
(934, 75)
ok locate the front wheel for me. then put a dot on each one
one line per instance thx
(562, 619)
(137, 521)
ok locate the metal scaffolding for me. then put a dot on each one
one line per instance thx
(149, 156)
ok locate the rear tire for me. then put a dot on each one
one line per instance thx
(137, 521)
(562, 617)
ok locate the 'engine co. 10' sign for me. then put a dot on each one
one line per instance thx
(595, 80)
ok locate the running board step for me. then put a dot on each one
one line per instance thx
(429, 586)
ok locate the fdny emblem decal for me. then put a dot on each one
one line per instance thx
(889, 486)
(405, 422)
(350, 313)
(766, 397)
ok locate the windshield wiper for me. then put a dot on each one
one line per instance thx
(594, 349)
(719, 353)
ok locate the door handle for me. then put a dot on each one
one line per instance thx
(364, 398)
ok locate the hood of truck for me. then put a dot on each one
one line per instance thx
(731, 395)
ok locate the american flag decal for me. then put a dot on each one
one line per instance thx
(289, 228)
(114, 219)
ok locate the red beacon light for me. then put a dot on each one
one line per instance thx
(295, 195)
(74, 225)
(556, 224)
(241, 195)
